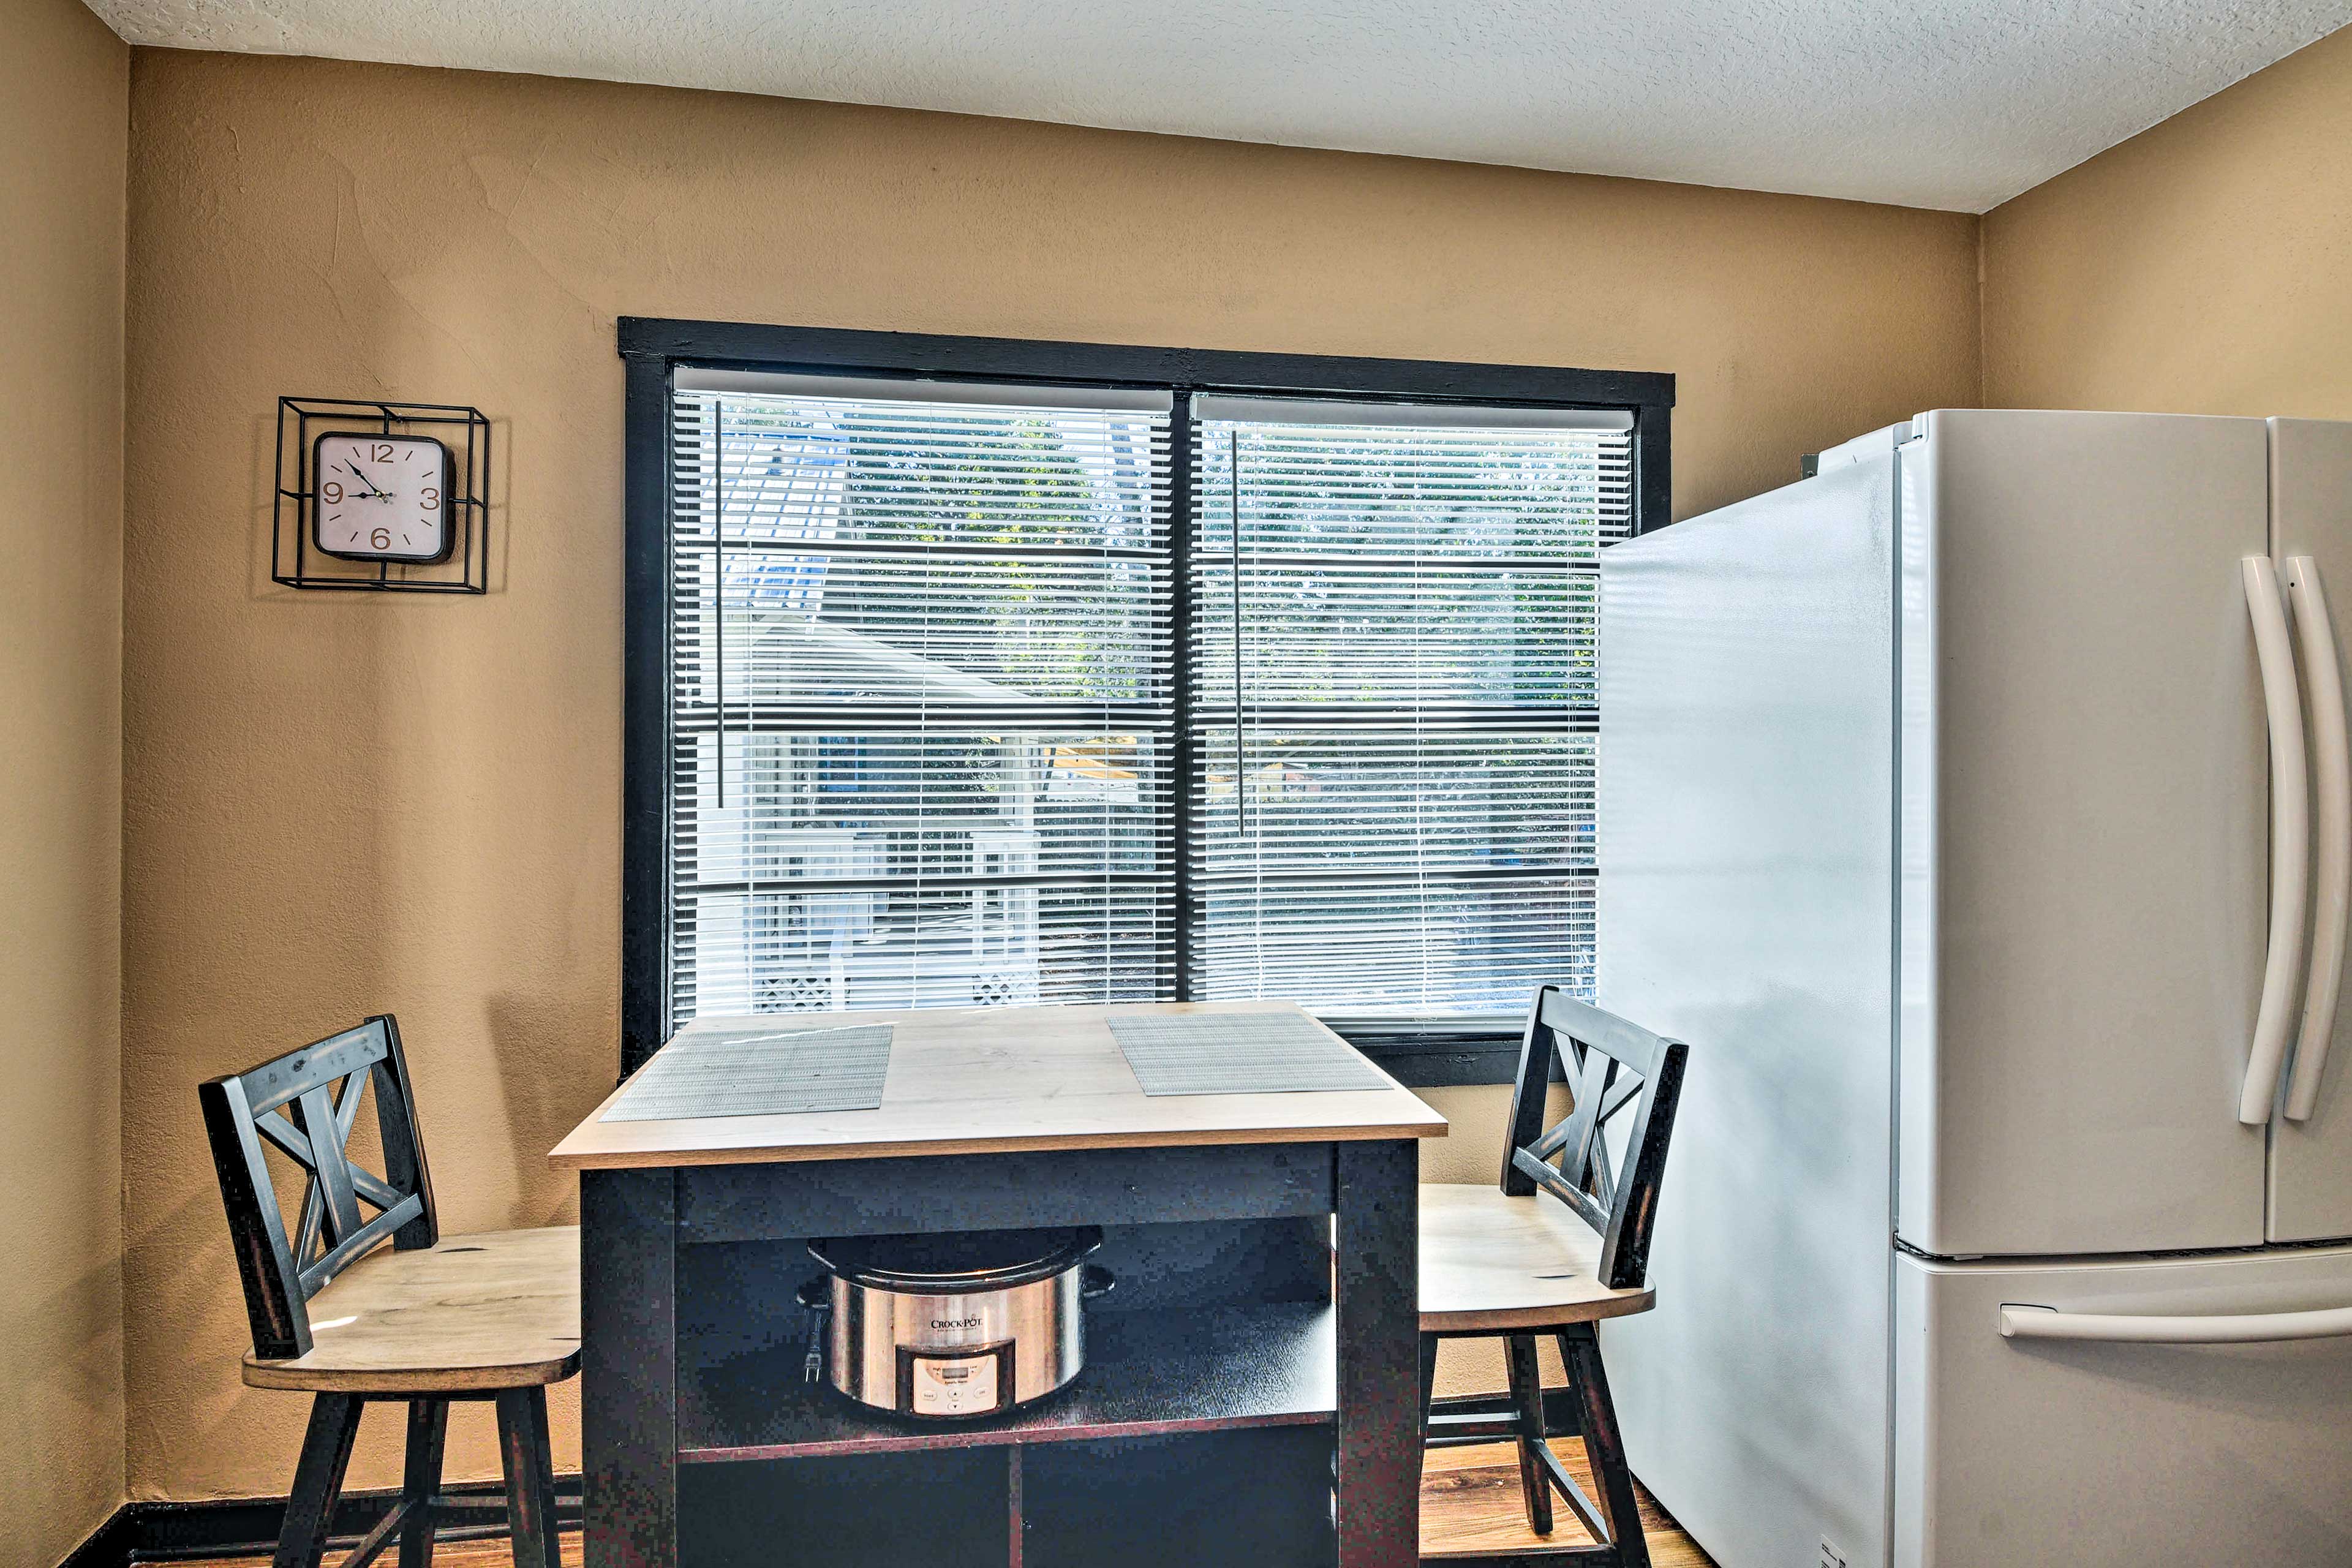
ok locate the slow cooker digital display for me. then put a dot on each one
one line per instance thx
(955, 1382)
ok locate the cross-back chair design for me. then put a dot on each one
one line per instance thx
(1561, 1242)
(305, 1105)
(424, 1320)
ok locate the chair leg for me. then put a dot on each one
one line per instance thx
(530, 1476)
(317, 1481)
(429, 1427)
(1527, 1396)
(1428, 1379)
(1604, 1446)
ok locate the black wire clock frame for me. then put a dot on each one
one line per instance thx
(295, 558)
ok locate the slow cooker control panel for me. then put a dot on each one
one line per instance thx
(962, 1382)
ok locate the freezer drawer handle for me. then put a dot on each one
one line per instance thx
(2021, 1320)
(2290, 840)
(2331, 760)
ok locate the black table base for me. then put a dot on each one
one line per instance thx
(1249, 1394)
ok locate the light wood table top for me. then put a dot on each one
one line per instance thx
(985, 1080)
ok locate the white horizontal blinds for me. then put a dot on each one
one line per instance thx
(921, 714)
(1393, 634)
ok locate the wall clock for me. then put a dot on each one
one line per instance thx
(381, 498)
(392, 497)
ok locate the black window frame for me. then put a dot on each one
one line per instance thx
(1432, 1052)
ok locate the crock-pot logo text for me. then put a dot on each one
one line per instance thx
(971, 1322)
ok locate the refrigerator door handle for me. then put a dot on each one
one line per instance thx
(2331, 760)
(2022, 1320)
(2290, 840)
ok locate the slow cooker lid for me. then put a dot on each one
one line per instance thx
(958, 1260)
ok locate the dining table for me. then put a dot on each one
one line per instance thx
(1251, 1390)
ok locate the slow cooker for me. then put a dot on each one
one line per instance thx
(953, 1326)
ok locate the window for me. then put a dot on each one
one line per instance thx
(921, 695)
(1155, 676)
(1394, 614)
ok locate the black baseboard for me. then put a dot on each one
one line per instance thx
(109, 1545)
(248, 1527)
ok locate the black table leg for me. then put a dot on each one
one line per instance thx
(628, 1301)
(1380, 1354)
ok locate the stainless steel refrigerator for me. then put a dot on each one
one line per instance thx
(1979, 810)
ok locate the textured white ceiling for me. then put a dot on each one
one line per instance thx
(1937, 103)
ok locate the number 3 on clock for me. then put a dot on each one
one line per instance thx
(380, 497)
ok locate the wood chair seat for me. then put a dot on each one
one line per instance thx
(1492, 1261)
(470, 1315)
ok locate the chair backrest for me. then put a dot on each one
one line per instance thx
(1609, 1065)
(320, 1088)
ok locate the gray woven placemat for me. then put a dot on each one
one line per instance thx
(1239, 1053)
(759, 1072)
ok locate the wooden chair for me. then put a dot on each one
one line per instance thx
(1555, 1247)
(494, 1316)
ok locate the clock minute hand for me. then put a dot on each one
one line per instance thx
(373, 490)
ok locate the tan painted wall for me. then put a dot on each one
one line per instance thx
(342, 803)
(2204, 266)
(64, 88)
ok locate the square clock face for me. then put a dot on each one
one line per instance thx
(381, 498)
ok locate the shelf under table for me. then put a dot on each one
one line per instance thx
(1146, 1372)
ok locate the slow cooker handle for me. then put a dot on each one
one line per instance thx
(1094, 1282)
(816, 1296)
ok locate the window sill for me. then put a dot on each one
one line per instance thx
(1438, 1053)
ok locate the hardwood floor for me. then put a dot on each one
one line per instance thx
(1469, 1508)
